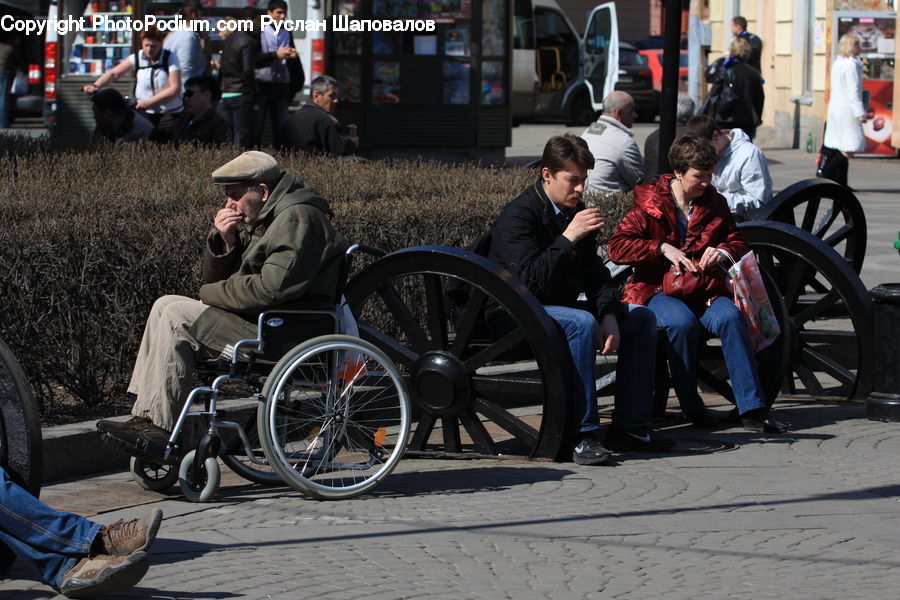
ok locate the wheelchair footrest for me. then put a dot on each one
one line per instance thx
(149, 450)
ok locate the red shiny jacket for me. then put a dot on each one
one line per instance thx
(652, 220)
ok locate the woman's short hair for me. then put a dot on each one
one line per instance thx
(152, 33)
(566, 148)
(741, 49)
(692, 152)
(848, 45)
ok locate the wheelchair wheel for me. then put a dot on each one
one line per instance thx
(153, 476)
(199, 485)
(336, 417)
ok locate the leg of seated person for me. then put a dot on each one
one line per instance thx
(725, 321)
(53, 542)
(683, 330)
(582, 333)
(634, 375)
(166, 360)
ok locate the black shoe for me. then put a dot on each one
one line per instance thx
(763, 423)
(705, 420)
(590, 451)
(636, 440)
(138, 437)
(132, 424)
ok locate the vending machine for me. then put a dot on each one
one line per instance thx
(876, 33)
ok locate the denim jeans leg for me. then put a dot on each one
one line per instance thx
(635, 369)
(52, 541)
(582, 331)
(725, 321)
(683, 330)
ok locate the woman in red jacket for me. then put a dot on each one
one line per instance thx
(681, 220)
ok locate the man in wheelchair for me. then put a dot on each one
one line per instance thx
(271, 245)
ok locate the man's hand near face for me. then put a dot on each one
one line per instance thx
(226, 223)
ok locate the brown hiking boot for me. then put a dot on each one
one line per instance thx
(125, 537)
(102, 574)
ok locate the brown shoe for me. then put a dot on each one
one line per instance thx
(102, 574)
(125, 537)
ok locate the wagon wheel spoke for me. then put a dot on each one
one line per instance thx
(816, 309)
(504, 344)
(810, 382)
(506, 420)
(473, 311)
(436, 316)
(838, 236)
(404, 317)
(817, 361)
(796, 275)
(424, 428)
(450, 430)
(398, 352)
(477, 431)
(809, 215)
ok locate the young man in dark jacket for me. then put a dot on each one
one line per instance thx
(547, 238)
(241, 56)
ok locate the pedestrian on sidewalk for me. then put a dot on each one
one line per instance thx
(846, 113)
(77, 557)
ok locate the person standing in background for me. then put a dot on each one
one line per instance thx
(274, 81)
(185, 44)
(739, 30)
(846, 113)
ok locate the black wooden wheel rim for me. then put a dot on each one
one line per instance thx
(446, 363)
(828, 210)
(21, 453)
(830, 310)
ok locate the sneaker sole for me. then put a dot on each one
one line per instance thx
(152, 529)
(110, 579)
(592, 462)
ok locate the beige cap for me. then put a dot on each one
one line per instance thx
(249, 166)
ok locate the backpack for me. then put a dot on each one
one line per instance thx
(163, 63)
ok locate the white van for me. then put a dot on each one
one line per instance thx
(555, 74)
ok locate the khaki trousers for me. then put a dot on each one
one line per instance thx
(166, 360)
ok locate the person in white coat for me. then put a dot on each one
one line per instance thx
(742, 172)
(846, 113)
(618, 165)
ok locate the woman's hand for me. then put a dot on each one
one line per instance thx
(609, 335)
(677, 257)
(711, 257)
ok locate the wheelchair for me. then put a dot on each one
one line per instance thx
(330, 416)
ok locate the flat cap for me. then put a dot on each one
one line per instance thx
(249, 166)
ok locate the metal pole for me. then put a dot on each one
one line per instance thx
(669, 98)
(695, 61)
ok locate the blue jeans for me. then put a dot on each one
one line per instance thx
(684, 324)
(53, 542)
(634, 369)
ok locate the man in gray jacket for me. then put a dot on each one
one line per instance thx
(271, 245)
(618, 164)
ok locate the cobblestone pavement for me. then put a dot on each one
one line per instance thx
(811, 514)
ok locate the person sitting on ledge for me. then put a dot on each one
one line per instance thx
(115, 121)
(271, 245)
(681, 220)
(77, 557)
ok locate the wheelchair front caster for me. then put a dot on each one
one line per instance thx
(153, 476)
(199, 486)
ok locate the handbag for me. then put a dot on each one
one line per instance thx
(752, 300)
(831, 165)
(692, 285)
(722, 99)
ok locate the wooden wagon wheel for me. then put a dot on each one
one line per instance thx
(473, 382)
(829, 309)
(828, 210)
(21, 453)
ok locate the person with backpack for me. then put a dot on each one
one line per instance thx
(736, 99)
(157, 72)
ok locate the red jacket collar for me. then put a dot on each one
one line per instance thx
(656, 198)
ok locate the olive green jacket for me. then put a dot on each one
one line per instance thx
(291, 255)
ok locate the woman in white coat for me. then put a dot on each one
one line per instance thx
(846, 113)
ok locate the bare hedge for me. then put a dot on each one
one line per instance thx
(93, 238)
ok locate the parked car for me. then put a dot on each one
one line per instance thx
(636, 78)
(655, 58)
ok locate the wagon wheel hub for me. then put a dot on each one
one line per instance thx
(441, 383)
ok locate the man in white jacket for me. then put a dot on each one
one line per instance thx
(742, 173)
(618, 165)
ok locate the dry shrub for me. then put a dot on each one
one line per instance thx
(94, 237)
